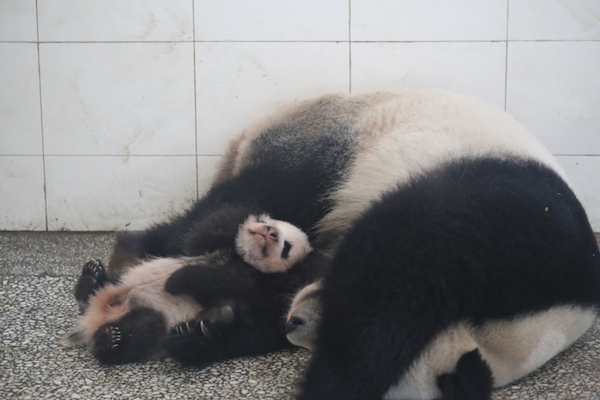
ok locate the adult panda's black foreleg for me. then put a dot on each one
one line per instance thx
(471, 380)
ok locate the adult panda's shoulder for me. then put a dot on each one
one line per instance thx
(407, 133)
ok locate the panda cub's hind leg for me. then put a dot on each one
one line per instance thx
(135, 337)
(93, 276)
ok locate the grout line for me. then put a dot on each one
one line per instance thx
(506, 57)
(195, 99)
(118, 155)
(37, 26)
(314, 41)
(350, 46)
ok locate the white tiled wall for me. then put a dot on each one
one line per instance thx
(113, 114)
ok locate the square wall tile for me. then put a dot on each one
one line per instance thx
(118, 98)
(428, 20)
(554, 20)
(207, 166)
(238, 83)
(22, 205)
(18, 21)
(20, 117)
(108, 193)
(554, 89)
(583, 173)
(115, 21)
(272, 20)
(472, 68)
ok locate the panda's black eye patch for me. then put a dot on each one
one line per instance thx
(286, 250)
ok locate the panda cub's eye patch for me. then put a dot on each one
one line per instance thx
(286, 249)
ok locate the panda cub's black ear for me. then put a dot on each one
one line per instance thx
(271, 245)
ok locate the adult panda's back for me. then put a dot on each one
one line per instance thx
(415, 130)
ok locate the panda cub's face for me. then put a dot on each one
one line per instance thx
(271, 245)
(303, 317)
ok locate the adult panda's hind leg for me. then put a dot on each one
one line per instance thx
(93, 277)
(471, 380)
(135, 337)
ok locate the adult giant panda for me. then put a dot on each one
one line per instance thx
(467, 277)
(322, 163)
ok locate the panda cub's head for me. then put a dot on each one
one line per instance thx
(270, 245)
(303, 316)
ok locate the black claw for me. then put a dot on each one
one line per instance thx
(95, 269)
(115, 336)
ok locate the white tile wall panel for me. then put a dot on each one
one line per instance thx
(472, 68)
(238, 83)
(115, 20)
(22, 204)
(20, 117)
(18, 20)
(118, 98)
(271, 20)
(583, 172)
(554, 89)
(554, 20)
(428, 20)
(102, 193)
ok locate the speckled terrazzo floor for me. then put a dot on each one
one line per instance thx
(37, 274)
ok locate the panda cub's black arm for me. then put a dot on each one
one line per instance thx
(210, 279)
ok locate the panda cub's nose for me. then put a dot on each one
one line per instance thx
(292, 324)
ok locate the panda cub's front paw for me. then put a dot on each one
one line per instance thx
(213, 324)
(95, 269)
(93, 276)
(193, 327)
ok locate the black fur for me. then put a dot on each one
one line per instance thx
(93, 276)
(135, 337)
(259, 303)
(471, 380)
(474, 240)
(288, 175)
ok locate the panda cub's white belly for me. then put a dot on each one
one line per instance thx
(512, 349)
(146, 285)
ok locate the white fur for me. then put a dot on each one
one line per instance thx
(511, 348)
(417, 130)
(142, 285)
(308, 309)
(260, 242)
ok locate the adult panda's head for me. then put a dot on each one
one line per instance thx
(303, 316)
(271, 245)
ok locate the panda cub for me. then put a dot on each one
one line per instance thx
(127, 320)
